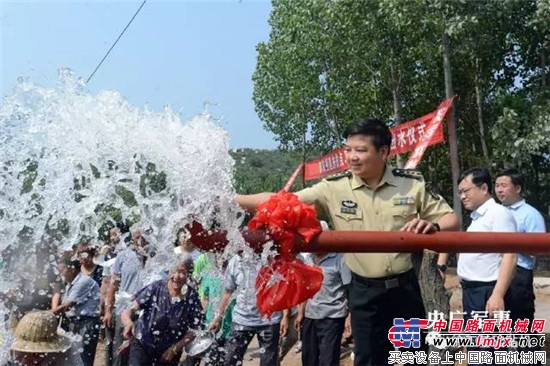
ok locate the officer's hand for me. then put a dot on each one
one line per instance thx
(419, 226)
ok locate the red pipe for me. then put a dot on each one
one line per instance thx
(388, 241)
(216, 241)
(444, 242)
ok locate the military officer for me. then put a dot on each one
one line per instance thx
(373, 196)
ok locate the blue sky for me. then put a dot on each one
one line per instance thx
(177, 53)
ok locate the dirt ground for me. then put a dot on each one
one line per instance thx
(542, 292)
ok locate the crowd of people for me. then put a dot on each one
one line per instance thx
(373, 196)
(100, 294)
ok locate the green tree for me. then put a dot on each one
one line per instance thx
(328, 63)
(263, 170)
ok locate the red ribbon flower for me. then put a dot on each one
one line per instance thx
(286, 281)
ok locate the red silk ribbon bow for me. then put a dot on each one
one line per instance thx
(286, 281)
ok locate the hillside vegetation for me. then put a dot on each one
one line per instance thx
(263, 170)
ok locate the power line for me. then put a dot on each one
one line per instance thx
(114, 44)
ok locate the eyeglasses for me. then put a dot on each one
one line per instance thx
(465, 191)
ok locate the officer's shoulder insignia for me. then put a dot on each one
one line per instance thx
(407, 173)
(336, 176)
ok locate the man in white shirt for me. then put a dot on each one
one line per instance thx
(485, 277)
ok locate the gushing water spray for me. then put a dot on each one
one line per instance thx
(72, 163)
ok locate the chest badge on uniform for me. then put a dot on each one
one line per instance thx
(348, 207)
(402, 201)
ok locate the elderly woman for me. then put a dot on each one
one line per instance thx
(171, 310)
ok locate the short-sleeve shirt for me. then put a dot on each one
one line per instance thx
(84, 291)
(128, 265)
(164, 321)
(484, 267)
(201, 267)
(330, 300)
(351, 204)
(528, 220)
(240, 278)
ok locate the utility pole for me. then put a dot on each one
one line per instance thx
(451, 124)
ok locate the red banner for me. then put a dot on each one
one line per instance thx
(432, 131)
(407, 136)
(415, 135)
(333, 162)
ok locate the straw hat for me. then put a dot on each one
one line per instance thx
(37, 333)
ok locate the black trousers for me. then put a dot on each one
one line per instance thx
(321, 340)
(520, 300)
(118, 339)
(139, 357)
(88, 328)
(374, 303)
(216, 354)
(240, 337)
(109, 342)
(474, 298)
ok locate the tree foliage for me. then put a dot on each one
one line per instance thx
(329, 62)
(263, 170)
